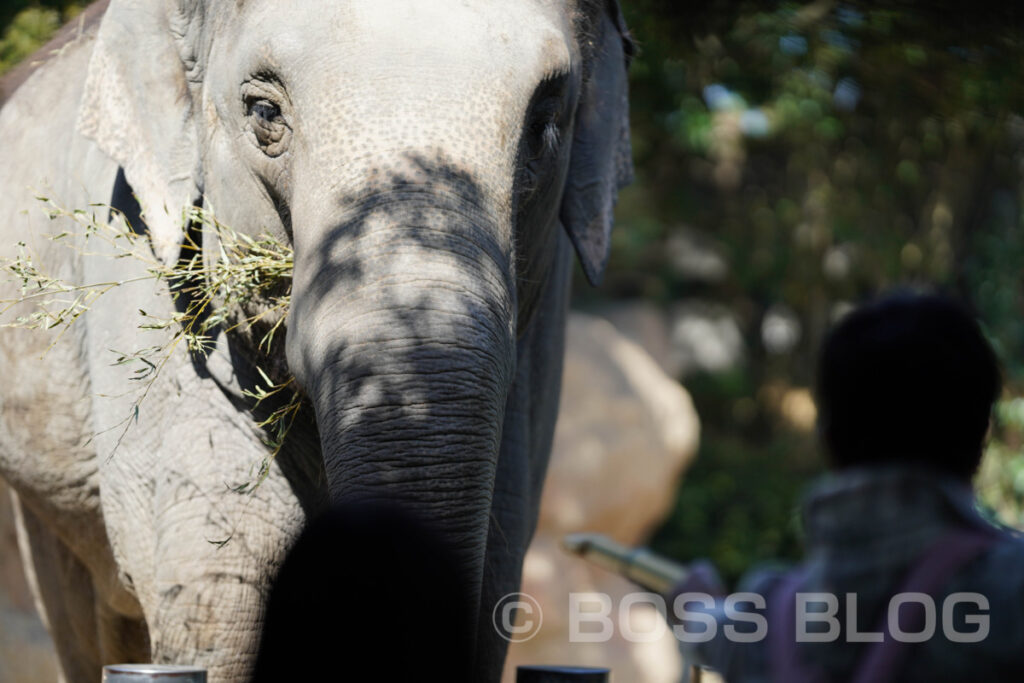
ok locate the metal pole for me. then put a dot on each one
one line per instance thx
(561, 674)
(639, 565)
(148, 673)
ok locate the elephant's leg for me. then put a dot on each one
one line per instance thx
(121, 639)
(210, 620)
(64, 596)
(215, 551)
(198, 553)
(213, 559)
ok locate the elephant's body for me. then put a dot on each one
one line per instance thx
(116, 543)
(124, 529)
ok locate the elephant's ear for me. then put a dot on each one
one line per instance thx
(138, 108)
(601, 159)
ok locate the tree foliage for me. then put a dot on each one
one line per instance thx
(828, 151)
(26, 26)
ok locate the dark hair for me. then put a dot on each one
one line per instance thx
(908, 378)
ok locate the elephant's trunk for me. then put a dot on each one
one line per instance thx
(402, 333)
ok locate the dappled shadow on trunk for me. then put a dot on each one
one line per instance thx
(402, 332)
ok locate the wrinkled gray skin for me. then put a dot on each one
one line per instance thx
(432, 163)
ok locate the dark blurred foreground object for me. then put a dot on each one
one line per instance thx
(560, 674)
(905, 391)
(367, 593)
(148, 673)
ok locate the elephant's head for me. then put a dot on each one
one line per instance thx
(422, 158)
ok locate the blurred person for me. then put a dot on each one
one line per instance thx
(905, 390)
(367, 593)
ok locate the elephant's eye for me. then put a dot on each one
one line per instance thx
(545, 127)
(267, 111)
(268, 125)
(543, 133)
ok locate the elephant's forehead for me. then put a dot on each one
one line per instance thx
(486, 33)
(369, 78)
(502, 28)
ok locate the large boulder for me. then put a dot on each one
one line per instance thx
(626, 432)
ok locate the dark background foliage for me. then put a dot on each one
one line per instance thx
(825, 152)
(25, 25)
(792, 160)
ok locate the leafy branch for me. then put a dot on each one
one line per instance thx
(213, 291)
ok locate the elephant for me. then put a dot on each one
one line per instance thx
(433, 166)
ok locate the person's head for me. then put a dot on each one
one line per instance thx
(909, 378)
(368, 592)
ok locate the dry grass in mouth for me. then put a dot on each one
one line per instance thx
(247, 273)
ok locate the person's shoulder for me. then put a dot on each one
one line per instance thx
(1005, 559)
(982, 618)
(997, 573)
(997, 577)
(765, 576)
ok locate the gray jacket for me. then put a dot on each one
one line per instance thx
(865, 529)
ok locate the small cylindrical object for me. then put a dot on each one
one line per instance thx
(639, 565)
(150, 673)
(560, 674)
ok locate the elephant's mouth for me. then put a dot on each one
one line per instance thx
(252, 319)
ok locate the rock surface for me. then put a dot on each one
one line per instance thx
(625, 434)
